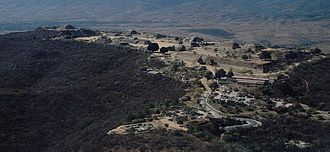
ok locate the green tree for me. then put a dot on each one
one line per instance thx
(235, 148)
(200, 60)
(153, 47)
(230, 73)
(220, 73)
(250, 72)
(208, 75)
(265, 55)
(245, 57)
(161, 105)
(236, 46)
(182, 48)
(214, 85)
(212, 62)
(163, 50)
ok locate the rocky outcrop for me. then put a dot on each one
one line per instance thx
(66, 27)
(75, 33)
(68, 31)
(132, 32)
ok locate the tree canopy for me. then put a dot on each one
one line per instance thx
(265, 55)
(153, 47)
(220, 73)
(208, 75)
(230, 73)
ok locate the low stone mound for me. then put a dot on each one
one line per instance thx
(69, 34)
(133, 32)
(66, 27)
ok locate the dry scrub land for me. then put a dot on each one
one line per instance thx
(68, 89)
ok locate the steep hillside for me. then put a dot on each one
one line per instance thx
(309, 84)
(70, 93)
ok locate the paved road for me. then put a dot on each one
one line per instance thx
(218, 114)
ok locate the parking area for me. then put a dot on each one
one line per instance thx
(225, 94)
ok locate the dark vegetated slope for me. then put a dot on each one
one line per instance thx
(309, 83)
(276, 131)
(158, 140)
(316, 77)
(69, 93)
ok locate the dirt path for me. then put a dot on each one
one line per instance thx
(307, 85)
(204, 82)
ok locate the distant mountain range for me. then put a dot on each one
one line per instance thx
(170, 10)
(243, 18)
